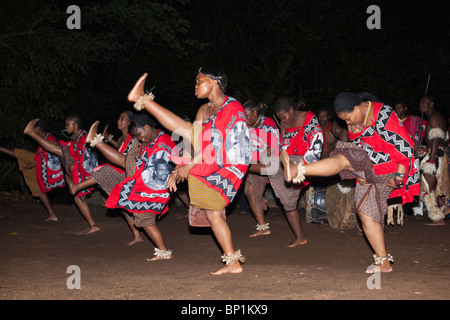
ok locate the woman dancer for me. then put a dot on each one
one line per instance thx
(142, 190)
(77, 159)
(41, 170)
(265, 147)
(380, 156)
(106, 175)
(220, 139)
(302, 139)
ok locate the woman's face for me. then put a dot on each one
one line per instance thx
(352, 118)
(144, 134)
(251, 116)
(70, 126)
(324, 118)
(287, 117)
(123, 122)
(203, 86)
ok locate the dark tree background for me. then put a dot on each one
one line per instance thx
(310, 50)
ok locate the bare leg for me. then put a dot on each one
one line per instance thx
(296, 226)
(136, 234)
(222, 233)
(156, 236)
(47, 145)
(86, 213)
(47, 205)
(323, 168)
(77, 187)
(9, 152)
(375, 236)
(110, 153)
(167, 118)
(184, 197)
(257, 212)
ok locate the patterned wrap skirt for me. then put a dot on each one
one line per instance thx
(371, 199)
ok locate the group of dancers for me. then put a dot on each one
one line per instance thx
(227, 144)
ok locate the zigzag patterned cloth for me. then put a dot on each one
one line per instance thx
(388, 144)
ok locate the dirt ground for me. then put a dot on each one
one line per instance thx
(35, 256)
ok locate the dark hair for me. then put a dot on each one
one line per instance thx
(76, 119)
(130, 114)
(139, 121)
(41, 124)
(400, 101)
(261, 108)
(429, 97)
(346, 101)
(284, 104)
(217, 74)
(324, 108)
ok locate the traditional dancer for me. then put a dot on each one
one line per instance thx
(435, 180)
(106, 175)
(265, 147)
(220, 139)
(77, 159)
(302, 139)
(41, 170)
(380, 156)
(142, 190)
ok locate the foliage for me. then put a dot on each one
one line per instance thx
(49, 71)
(310, 50)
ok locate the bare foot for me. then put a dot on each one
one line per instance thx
(232, 267)
(260, 233)
(136, 240)
(156, 258)
(92, 132)
(51, 217)
(30, 126)
(290, 169)
(384, 267)
(138, 89)
(297, 242)
(93, 229)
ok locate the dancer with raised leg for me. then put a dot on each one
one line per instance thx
(142, 190)
(77, 159)
(380, 156)
(42, 170)
(220, 139)
(107, 175)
